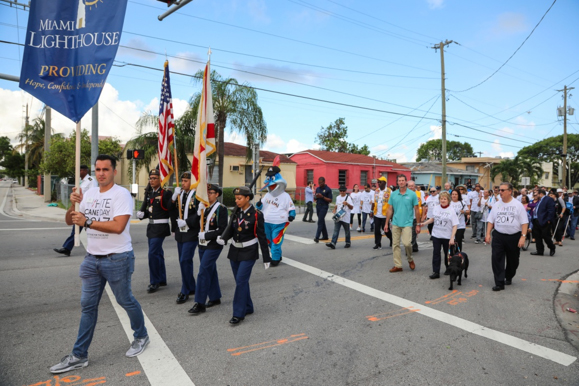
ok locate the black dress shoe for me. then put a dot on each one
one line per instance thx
(498, 288)
(163, 284)
(235, 320)
(347, 246)
(152, 288)
(414, 249)
(447, 272)
(274, 263)
(537, 253)
(64, 251)
(330, 245)
(316, 240)
(197, 309)
(182, 298)
(435, 275)
(212, 303)
(552, 252)
(508, 281)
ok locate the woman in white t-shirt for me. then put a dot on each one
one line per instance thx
(356, 195)
(366, 199)
(460, 207)
(443, 232)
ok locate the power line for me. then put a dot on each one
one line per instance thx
(517, 50)
(482, 140)
(291, 39)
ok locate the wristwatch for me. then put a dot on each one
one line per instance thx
(88, 223)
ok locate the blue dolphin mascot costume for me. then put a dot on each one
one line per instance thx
(278, 210)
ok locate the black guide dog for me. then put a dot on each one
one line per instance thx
(456, 264)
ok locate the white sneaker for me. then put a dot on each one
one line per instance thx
(137, 347)
(68, 363)
(358, 229)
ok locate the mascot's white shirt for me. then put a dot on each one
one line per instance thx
(276, 209)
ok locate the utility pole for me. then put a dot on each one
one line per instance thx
(564, 168)
(440, 47)
(94, 143)
(47, 132)
(26, 149)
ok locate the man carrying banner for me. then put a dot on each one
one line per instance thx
(155, 207)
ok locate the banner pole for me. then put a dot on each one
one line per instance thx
(77, 182)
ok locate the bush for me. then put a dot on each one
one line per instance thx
(228, 197)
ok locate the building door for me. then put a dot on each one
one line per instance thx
(248, 175)
(456, 181)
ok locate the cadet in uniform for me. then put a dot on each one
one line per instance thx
(246, 228)
(509, 218)
(186, 234)
(214, 224)
(86, 183)
(156, 206)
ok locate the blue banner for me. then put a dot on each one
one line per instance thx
(70, 48)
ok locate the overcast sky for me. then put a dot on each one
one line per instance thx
(368, 54)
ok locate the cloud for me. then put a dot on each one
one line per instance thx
(235, 138)
(276, 144)
(436, 132)
(378, 149)
(434, 4)
(139, 52)
(398, 157)
(274, 71)
(188, 62)
(117, 117)
(257, 10)
(509, 23)
(496, 145)
(498, 151)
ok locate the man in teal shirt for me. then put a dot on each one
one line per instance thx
(402, 204)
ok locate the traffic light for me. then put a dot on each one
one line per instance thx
(135, 154)
(168, 2)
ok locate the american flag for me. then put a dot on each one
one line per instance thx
(166, 129)
(204, 140)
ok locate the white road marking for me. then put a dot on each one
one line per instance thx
(33, 229)
(299, 239)
(463, 324)
(4, 204)
(158, 362)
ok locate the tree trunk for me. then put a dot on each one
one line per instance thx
(221, 149)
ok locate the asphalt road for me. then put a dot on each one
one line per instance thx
(326, 317)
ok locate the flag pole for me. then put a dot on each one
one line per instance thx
(77, 182)
(176, 162)
(205, 171)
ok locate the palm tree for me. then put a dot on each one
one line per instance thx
(507, 168)
(32, 137)
(233, 103)
(529, 168)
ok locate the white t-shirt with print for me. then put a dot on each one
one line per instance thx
(276, 209)
(484, 208)
(356, 197)
(458, 206)
(367, 198)
(508, 218)
(474, 197)
(444, 220)
(432, 202)
(97, 206)
(340, 205)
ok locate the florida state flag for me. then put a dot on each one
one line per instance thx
(204, 140)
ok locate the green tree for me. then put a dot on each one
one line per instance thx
(512, 170)
(508, 170)
(333, 138)
(551, 150)
(5, 147)
(13, 164)
(432, 150)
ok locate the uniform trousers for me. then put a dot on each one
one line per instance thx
(437, 244)
(309, 210)
(540, 234)
(272, 232)
(242, 303)
(404, 233)
(207, 279)
(186, 251)
(117, 270)
(379, 224)
(69, 242)
(505, 247)
(322, 230)
(157, 272)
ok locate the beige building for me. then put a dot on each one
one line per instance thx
(237, 171)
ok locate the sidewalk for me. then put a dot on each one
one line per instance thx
(27, 204)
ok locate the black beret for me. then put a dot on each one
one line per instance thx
(215, 188)
(243, 191)
(186, 175)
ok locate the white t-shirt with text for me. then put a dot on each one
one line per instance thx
(474, 198)
(340, 205)
(97, 206)
(444, 220)
(367, 198)
(508, 218)
(276, 209)
(432, 202)
(459, 206)
(356, 197)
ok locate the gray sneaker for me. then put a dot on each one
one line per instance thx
(138, 346)
(68, 363)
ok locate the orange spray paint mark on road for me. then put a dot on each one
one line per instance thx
(391, 314)
(453, 297)
(268, 344)
(133, 373)
(442, 298)
(71, 380)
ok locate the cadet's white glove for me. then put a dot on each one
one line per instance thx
(201, 235)
(266, 265)
(181, 223)
(176, 193)
(140, 215)
(220, 241)
(200, 208)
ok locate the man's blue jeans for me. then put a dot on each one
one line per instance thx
(337, 226)
(572, 225)
(95, 272)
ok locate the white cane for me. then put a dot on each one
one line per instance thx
(555, 231)
(566, 226)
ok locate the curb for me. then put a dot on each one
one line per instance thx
(567, 296)
(26, 215)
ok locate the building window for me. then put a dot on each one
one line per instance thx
(363, 177)
(342, 177)
(546, 176)
(309, 176)
(470, 168)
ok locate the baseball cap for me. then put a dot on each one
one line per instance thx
(342, 188)
(382, 179)
(559, 190)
